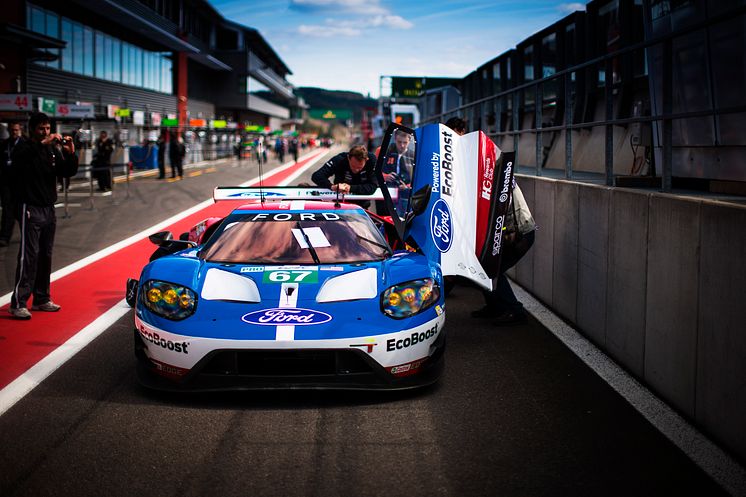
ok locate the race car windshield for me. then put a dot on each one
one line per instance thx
(284, 238)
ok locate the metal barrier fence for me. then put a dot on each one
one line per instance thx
(92, 192)
(564, 77)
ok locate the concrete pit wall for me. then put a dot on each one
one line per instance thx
(656, 281)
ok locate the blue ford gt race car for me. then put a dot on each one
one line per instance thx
(308, 291)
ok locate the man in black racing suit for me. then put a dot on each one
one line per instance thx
(352, 171)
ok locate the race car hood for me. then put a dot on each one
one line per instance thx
(241, 300)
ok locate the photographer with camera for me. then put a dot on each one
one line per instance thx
(36, 165)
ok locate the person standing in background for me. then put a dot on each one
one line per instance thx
(162, 155)
(6, 191)
(176, 154)
(102, 161)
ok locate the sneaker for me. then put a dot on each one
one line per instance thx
(46, 307)
(508, 318)
(484, 313)
(20, 313)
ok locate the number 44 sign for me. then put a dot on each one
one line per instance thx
(15, 101)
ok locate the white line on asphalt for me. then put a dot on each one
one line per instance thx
(154, 229)
(722, 468)
(31, 378)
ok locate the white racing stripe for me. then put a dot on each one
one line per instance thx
(288, 298)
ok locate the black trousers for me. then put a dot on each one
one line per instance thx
(9, 207)
(34, 265)
(103, 176)
(177, 168)
(502, 298)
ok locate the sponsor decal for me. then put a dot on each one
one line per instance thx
(156, 339)
(296, 216)
(393, 344)
(498, 235)
(252, 269)
(291, 276)
(446, 165)
(168, 370)
(438, 310)
(256, 194)
(435, 163)
(409, 368)
(441, 226)
(506, 182)
(368, 346)
(331, 268)
(286, 316)
(489, 171)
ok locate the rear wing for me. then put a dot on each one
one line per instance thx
(275, 193)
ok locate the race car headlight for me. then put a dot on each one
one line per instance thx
(168, 300)
(407, 299)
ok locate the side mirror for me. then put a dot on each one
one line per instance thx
(131, 293)
(420, 199)
(161, 238)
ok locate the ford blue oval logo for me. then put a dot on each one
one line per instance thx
(441, 225)
(286, 316)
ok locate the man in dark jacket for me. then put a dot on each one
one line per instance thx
(352, 171)
(6, 188)
(36, 165)
(102, 161)
(176, 154)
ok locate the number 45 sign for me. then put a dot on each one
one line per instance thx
(15, 101)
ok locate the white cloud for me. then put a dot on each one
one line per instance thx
(327, 31)
(569, 8)
(390, 21)
(349, 28)
(386, 21)
(356, 6)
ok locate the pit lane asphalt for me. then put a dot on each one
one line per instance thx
(515, 412)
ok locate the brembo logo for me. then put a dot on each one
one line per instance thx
(441, 225)
(506, 183)
(286, 316)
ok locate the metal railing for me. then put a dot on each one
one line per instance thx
(666, 117)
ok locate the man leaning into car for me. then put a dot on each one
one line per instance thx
(352, 171)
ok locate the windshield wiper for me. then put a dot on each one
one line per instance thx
(373, 242)
(308, 242)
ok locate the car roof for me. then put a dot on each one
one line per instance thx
(297, 205)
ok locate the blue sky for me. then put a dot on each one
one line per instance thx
(349, 44)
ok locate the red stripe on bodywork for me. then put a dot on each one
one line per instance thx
(485, 182)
